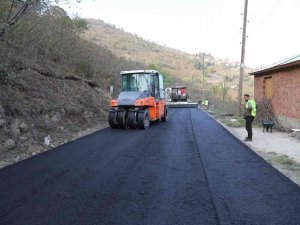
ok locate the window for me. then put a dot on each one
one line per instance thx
(156, 83)
(136, 82)
(161, 86)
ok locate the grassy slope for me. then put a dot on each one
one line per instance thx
(178, 64)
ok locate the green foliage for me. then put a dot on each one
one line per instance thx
(13, 11)
(228, 78)
(49, 39)
(232, 122)
(167, 77)
(215, 90)
(7, 71)
(152, 66)
(80, 25)
(284, 161)
(212, 70)
(84, 68)
(197, 64)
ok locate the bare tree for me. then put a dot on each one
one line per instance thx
(15, 9)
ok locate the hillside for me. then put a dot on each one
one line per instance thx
(55, 72)
(53, 83)
(179, 66)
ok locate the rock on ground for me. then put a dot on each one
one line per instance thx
(23, 127)
(9, 144)
(1, 112)
(2, 122)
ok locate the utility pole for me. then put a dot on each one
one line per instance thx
(239, 105)
(223, 95)
(203, 71)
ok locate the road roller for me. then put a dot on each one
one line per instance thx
(141, 101)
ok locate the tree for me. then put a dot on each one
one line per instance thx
(80, 25)
(12, 10)
(166, 76)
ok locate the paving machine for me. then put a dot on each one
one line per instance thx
(142, 100)
(179, 98)
(178, 94)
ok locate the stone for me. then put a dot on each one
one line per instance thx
(16, 122)
(3, 164)
(2, 123)
(48, 122)
(9, 144)
(15, 133)
(1, 112)
(47, 117)
(23, 127)
(56, 117)
(14, 128)
(23, 138)
(297, 135)
(63, 112)
(47, 140)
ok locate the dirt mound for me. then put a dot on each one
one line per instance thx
(33, 106)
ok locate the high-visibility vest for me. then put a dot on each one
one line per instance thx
(253, 104)
(206, 102)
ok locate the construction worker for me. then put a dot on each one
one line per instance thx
(206, 105)
(249, 115)
(202, 104)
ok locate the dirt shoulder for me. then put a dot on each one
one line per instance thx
(57, 138)
(279, 149)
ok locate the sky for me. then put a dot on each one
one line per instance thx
(210, 26)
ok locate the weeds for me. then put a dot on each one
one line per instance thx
(285, 162)
(230, 121)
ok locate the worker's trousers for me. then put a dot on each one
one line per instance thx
(249, 120)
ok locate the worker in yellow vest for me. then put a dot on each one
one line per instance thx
(206, 105)
(249, 115)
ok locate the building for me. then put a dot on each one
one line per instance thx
(280, 83)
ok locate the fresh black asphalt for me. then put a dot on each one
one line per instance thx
(187, 171)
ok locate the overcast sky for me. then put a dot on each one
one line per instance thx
(211, 26)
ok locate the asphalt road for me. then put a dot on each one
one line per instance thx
(187, 171)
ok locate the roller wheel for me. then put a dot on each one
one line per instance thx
(112, 120)
(131, 119)
(143, 119)
(122, 119)
(165, 116)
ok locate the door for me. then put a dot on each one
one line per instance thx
(268, 88)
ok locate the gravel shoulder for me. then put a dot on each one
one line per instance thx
(279, 149)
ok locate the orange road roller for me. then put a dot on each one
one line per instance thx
(141, 101)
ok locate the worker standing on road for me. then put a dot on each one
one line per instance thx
(249, 114)
(206, 105)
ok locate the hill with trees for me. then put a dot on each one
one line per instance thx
(52, 81)
(55, 72)
(221, 76)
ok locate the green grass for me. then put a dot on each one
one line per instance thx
(285, 162)
(239, 122)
